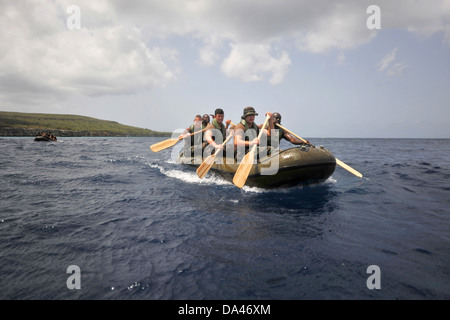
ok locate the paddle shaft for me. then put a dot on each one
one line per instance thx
(203, 169)
(168, 143)
(245, 166)
(191, 134)
(348, 168)
(338, 162)
(260, 133)
(292, 133)
(229, 136)
(226, 140)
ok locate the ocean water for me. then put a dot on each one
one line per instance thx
(139, 226)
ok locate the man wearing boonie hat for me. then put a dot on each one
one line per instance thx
(246, 138)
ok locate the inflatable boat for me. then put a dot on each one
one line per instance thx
(290, 167)
(44, 136)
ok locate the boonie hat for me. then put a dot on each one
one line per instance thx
(249, 111)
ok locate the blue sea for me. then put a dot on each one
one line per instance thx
(139, 226)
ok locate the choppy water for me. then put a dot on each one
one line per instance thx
(142, 227)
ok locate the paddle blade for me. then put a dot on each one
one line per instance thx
(163, 145)
(203, 169)
(242, 172)
(348, 168)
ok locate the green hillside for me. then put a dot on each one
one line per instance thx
(63, 125)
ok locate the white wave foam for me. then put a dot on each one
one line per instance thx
(213, 179)
(171, 161)
(263, 190)
(254, 189)
(330, 180)
(224, 199)
(190, 177)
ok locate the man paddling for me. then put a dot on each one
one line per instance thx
(227, 123)
(206, 119)
(282, 134)
(216, 134)
(195, 147)
(247, 131)
(217, 123)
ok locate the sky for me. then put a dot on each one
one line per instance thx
(331, 68)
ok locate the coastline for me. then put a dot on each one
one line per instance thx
(19, 124)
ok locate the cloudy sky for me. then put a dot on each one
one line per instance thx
(156, 64)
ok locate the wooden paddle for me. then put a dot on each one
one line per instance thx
(348, 168)
(168, 143)
(339, 162)
(241, 175)
(203, 169)
(293, 134)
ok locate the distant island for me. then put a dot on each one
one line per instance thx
(19, 124)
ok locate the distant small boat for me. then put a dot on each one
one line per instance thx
(44, 136)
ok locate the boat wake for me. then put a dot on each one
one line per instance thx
(165, 167)
(189, 176)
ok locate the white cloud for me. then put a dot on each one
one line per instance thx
(313, 26)
(339, 26)
(209, 52)
(422, 17)
(41, 59)
(126, 46)
(396, 69)
(387, 60)
(249, 62)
